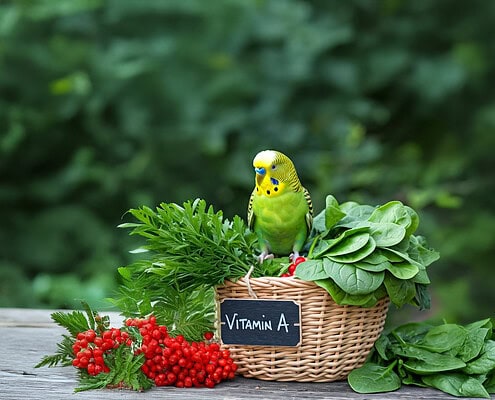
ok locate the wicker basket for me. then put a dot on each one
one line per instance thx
(334, 339)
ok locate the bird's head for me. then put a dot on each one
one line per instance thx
(274, 173)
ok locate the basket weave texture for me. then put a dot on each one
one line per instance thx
(334, 339)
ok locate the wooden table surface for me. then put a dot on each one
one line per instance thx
(27, 335)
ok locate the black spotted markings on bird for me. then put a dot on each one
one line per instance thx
(260, 322)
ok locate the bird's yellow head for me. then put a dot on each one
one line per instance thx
(275, 173)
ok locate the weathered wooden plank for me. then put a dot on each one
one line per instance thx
(27, 335)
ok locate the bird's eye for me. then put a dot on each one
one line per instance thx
(274, 167)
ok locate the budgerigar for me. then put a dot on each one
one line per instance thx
(280, 211)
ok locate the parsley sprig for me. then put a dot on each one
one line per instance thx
(192, 245)
(189, 249)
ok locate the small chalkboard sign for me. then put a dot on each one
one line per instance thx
(260, 322)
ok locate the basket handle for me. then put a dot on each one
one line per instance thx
(249, 288)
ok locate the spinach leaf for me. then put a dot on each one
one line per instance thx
(485, 362)
(377, 257)
(411, 332)
(444, 338)
(374, 378)
(353, 280)
(489, 384)
(393, 212)
(414, 221)
(390, 255)
(420, 253)
(343, 298)
(400, 291)
(311, 270)
(372, 267)
(422, 299)
(355, 214)
(351, 244)
(324, 245)
(382, 347)
(473, 344)
(357, 255)
(421, 277)
(426, 355)
(457, 384)
(425, 362)
(319, 223)
(399, 254)
(386, 234)
(333, 214)
(402, 270)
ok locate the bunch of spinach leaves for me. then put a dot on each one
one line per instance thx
(457, 359)
(361, 254)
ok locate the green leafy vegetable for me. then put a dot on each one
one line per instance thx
(353, 280)
(368, 253)
(190, 249)
(459, 360)
(352, 244)
(457, 385)
(373, 378)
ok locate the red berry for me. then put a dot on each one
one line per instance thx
(299, 260)
(208, 335)
(90, 335)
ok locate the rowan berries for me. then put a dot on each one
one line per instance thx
(167, 360)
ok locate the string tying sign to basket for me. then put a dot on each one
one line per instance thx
(260, 322)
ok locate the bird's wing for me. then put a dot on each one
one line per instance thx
(250, 214)
(309, 214)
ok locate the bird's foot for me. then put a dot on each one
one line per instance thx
(265, 256)
(293, 256)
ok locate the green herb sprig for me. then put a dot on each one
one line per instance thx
(189, 249)
(360, 254)
(457, 359)
(193, 245)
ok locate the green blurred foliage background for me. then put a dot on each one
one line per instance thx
(107, 105)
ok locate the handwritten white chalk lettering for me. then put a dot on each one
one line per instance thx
(283, 323)
(245, 323)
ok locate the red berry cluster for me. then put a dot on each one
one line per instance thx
(292, 267)
(89, 348)
(175, 361)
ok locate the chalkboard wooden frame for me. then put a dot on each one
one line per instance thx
(260, 322)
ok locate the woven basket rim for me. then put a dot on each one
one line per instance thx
(290, 281)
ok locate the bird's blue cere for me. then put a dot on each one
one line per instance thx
(260, 171)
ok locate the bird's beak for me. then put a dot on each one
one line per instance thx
(260, 175)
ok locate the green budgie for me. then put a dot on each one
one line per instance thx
(280, 210)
